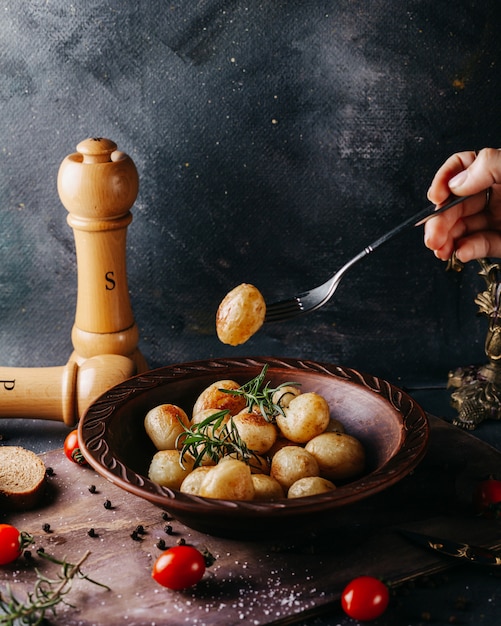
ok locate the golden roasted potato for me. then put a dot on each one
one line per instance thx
(213, 398)
(310, 486)
(339, 456)
(164, 423)
(334, 426)
(306, 417)
(191, 484)
(206, 413)
(258, 464)
(266, 488)
(240, 314)
(292, 463)
(256, 432)
(284, 395)
(166, 470)
(280, 443)
(230, 480)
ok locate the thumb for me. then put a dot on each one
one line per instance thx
(481, 174)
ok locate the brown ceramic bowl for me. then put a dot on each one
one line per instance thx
(391, 426)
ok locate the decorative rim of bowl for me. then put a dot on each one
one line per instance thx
(96, 450)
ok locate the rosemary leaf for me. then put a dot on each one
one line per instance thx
(46, 595)
(214, 439)
(262, 397)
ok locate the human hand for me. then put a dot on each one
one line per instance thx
(471, 229)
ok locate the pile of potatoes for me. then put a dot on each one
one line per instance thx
(301, 453)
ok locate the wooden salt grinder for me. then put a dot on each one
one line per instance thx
(98, 185)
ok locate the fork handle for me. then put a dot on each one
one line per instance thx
(416, 220)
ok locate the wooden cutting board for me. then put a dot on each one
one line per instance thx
(256, 582)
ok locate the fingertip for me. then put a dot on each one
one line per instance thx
(444, 252)
(458, 180)
(464, 252)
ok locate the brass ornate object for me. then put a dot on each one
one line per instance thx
(477, 388)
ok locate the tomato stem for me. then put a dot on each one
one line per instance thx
(25, 541)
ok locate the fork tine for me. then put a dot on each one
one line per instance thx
(282, 317)
(282, 310)
(284, 305)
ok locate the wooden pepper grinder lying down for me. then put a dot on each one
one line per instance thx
(60, 393)
(98, 185)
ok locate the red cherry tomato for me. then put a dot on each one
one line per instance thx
(487, 498)
(11, 543)
(72, 448)
(179, 567)
(365, 598)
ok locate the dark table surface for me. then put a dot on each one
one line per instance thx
(460, 595)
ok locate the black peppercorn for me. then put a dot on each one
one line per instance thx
(161, 544)
(92, 533)
(107, 504)
(46, 528)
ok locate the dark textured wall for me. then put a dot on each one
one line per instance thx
(273, 141)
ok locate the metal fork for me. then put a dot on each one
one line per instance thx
(318, 296)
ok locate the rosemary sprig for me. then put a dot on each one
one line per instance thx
(262, 397)
(213, 439)
(47, 594)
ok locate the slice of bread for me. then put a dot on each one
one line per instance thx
(22, 478)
